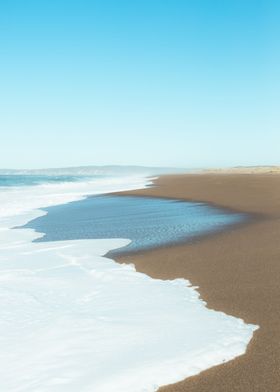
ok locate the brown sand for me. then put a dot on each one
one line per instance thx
(238, 272)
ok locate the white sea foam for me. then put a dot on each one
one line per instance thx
(73, 320)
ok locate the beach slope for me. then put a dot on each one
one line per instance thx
(237, 271)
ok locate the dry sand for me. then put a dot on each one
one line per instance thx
(238, 272)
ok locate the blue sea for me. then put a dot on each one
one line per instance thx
(7, 180)
(148, 222)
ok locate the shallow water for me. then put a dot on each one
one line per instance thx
(147, 222)
(72, 320)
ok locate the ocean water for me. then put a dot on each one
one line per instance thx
(72, 319)
(17, 180)
(147, 222)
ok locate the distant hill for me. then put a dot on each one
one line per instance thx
(110, 170)
(246, 170)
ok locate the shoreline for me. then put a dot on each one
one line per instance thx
(166, 362)
(249, 219)
(242, 277)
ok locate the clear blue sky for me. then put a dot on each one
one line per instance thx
(156, 82)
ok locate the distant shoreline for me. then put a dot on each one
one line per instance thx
(244, 170)
(237, 270)
(88, 170)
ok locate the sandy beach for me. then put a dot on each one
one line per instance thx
(237, 271)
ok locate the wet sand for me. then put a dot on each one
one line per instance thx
(237, 271)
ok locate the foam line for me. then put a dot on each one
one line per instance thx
(74, 320)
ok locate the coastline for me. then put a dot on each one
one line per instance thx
(101, 309)
(237, 271)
